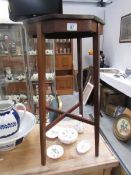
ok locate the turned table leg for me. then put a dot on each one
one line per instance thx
(96, 99)
(80, 74)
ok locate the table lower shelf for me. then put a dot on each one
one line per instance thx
(25, 158)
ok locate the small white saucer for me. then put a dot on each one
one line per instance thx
(83, 146)
(79, 127)
(53, 132)
(67, 135)
(55, 151)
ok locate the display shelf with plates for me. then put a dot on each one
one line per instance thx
(31, 51)
(59, 55)
(13, 63)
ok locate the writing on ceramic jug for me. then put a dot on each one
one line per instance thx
(8, 124)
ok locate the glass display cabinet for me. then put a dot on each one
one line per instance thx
(13, 79)
(31, 61)
(18, 68)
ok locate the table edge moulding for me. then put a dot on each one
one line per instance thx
(60, 26)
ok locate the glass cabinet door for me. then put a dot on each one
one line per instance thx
(31, 50)
(13, 79)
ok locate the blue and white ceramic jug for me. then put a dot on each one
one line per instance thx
(9, 117)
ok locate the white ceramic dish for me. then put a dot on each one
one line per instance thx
(67, 135)
(27, 123)
(83, 146)
(53, 132)
(79, 127)
(55, 151)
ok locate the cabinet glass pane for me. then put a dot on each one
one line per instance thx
(31, 49)
(13, 80)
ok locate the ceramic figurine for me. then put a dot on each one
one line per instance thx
(9, 75)
(34, 77)
(21, 77)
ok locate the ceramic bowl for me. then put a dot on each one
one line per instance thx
(53, 132)
(79, 127)
(55, 151)
(27, 123)
(67, 135)
(83, 146)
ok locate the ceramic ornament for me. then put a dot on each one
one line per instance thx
(83, 146)
(79, 127)
(27, 123)
(55, 151)
(9, 117)
(53, 132)
(67, 135)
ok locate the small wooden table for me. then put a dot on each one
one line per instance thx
(25, 158)
(63, 26)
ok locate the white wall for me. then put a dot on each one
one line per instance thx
(118, 54)
(4, 15)
(84, 9)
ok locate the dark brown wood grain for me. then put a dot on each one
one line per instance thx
(96, 65)
(80, 74)
(42, 98)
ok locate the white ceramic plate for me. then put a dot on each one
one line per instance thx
(55, 151)
(83, 146)
(27, 123)
(68, 135)
(53, 132)
(79, 127)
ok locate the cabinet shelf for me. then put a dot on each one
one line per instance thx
(63, 53)
(47, 81)
(7, 55)
(15, 81)
(12, 63)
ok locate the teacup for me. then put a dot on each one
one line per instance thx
(9, 117)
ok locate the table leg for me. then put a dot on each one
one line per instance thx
(41, 59)
(96, 99)
(80, 74)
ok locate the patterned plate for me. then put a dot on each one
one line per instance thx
(68, 135)
(53, 132)
(83, 146)
(122, 127)
(55, 151)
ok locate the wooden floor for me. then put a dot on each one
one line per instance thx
(25, 158)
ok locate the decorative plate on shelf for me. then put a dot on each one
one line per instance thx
(83, 146)
(55, 151)
(53, 132)
(68, 135)
(122, 127)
